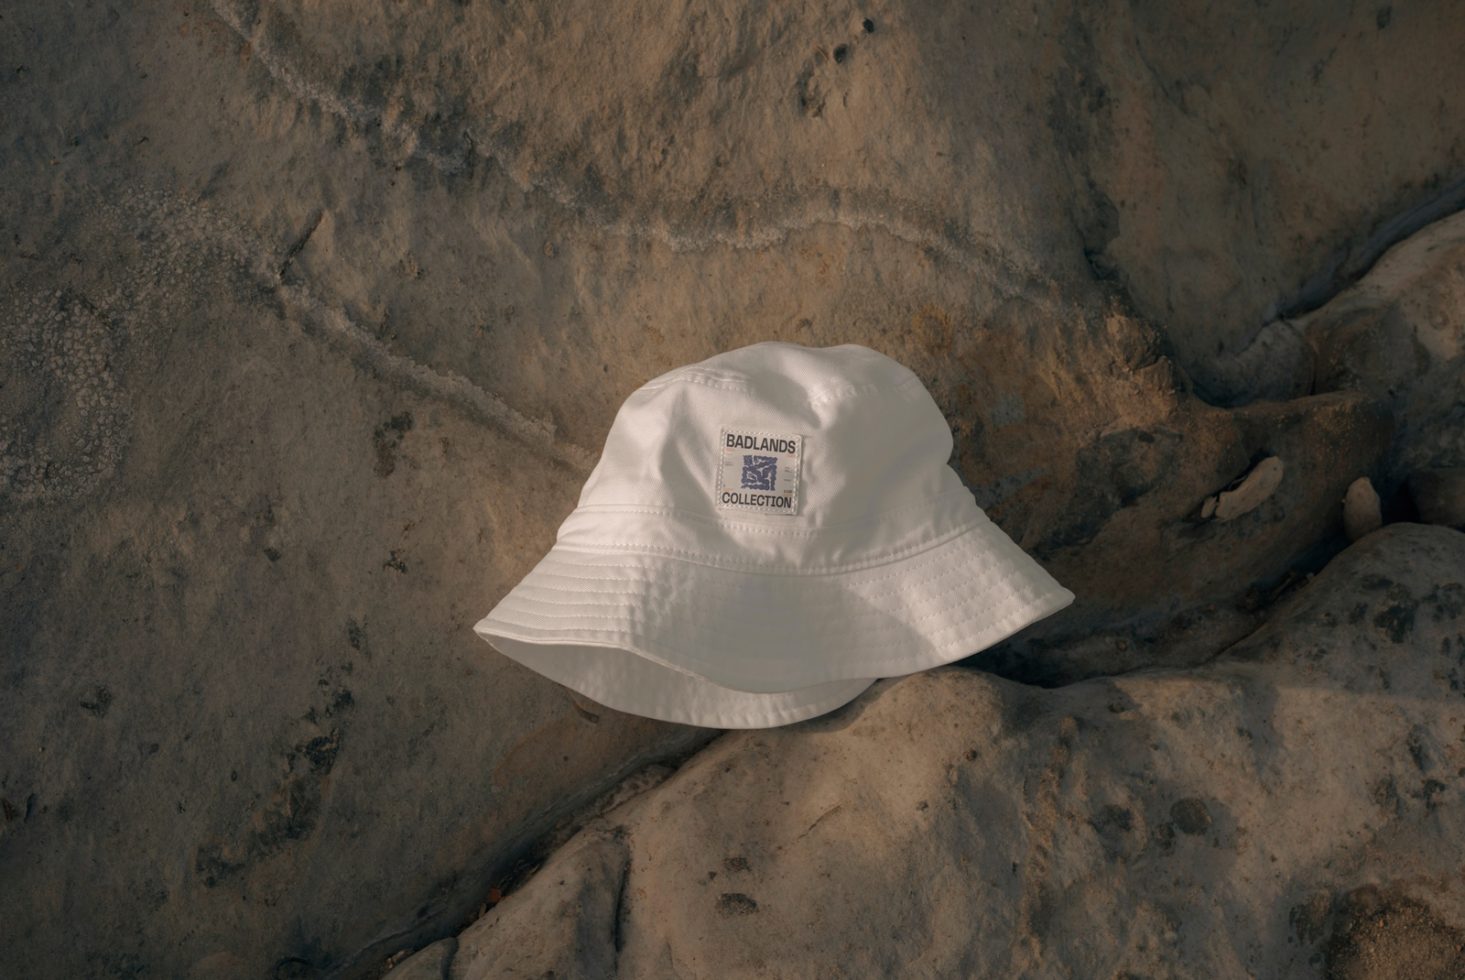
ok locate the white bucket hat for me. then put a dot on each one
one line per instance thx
(766, 534)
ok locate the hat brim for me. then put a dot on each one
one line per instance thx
(622, 679)
(765, 632)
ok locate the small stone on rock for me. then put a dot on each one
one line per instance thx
(1361, 510)
(1259, 484)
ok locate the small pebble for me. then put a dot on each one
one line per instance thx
(1259, 484)
(1361, 509)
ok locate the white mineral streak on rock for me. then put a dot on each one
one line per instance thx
(754, 233)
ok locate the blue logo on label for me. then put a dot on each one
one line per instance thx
(759, 472)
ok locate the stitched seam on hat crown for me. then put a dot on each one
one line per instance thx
(697, 557)
(726, 384)
(692, 371)
(774, 529)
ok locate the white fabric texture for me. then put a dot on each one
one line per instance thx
(767, 532)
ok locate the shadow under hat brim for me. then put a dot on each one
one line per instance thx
(769, 632)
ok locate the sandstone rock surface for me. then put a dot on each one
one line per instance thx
(315, 316)
(1291, 808)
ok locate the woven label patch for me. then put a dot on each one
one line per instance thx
(758, 471)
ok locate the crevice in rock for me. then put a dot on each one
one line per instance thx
(525, 855)
(1277, 362)
(448, 957)
(618, 915)
(1346, 265)
(1029, 661)
(300, 240)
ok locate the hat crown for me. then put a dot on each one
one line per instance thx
(775, 440)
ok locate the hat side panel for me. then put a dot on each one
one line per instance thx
(875, 452)
(639, 462)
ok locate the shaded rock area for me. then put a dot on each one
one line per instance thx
(1290, 809)
(1398, 334)
(1439, 495)
(315, 316)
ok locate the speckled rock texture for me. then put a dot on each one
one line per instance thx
(1290, 809)
(315, 316)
